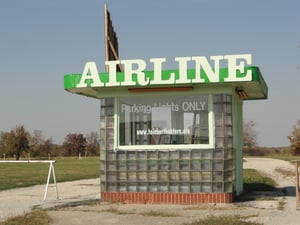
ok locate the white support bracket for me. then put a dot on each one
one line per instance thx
(51, 170)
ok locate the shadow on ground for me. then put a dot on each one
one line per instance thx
(289, 191)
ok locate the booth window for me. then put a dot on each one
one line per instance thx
(163, 120)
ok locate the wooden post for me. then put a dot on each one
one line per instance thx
(297, 187)
(297, 184)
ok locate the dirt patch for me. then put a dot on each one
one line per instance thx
(141, 214)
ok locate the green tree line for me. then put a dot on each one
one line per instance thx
(19, 143)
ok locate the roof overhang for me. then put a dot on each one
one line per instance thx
(255, 88)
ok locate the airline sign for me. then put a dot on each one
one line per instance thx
(135, 73)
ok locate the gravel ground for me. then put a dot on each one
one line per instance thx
(279, 209)
(17, 201)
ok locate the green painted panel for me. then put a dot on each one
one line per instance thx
(257, 85)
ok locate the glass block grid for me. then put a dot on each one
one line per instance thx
(164, 170)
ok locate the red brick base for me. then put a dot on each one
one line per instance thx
(166, 198)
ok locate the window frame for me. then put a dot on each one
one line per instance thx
(211, 129)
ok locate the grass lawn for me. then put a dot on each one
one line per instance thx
(14, 175)
(254, 181)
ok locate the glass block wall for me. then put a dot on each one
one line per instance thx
(164, 170)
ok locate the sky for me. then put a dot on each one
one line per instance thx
(42, 40)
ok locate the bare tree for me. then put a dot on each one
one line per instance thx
(35, 141)
(249, 137)
(21, 142)
(47, 147)
(74, 144)
(14, 142)
(7, 143)
(92, 147)
(39, 147)
(294, 138)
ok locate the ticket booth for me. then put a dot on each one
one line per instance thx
(171, 136)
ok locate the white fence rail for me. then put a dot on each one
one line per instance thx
(51, 171)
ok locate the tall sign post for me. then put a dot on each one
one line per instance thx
(110, 41)
(111, 47)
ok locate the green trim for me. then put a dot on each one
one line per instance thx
(257, 85)
(71, 80)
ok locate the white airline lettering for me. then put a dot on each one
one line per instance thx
(136, 67)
